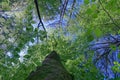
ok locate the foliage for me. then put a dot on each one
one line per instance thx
(99, 16)
(49, 7)
(92, 21)
(116, 67)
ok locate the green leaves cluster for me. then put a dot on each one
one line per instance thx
(71, 43)
(116, 67)
(100, 17)
(49, 7)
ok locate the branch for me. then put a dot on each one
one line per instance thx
(116, 41)
(106, 52)
(63, 10)
(38, 12)
(40, 20)
(107, 23)
(108, 14)
(74, 1)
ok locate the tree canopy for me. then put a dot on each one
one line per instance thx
(31, 29)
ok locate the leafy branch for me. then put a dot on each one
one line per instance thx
(108, 14)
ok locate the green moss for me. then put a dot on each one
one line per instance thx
(51, 69)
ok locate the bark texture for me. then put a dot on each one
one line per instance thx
(51, 69)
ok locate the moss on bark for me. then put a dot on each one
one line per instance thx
(51, 69)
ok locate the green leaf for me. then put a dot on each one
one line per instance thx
(113, 47)
(118, 31)
(5, 6)
(16, 55)
(29, 29)
(89, 11)
(98, 33)
(36, 30)
(33, 22)
(119, 56)
(17, 49)
(27, 56)
(32, 40)
(30, 17)
(93, 0)
(86, 1)
(90, 37)
(42, 34)
(94, 15)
